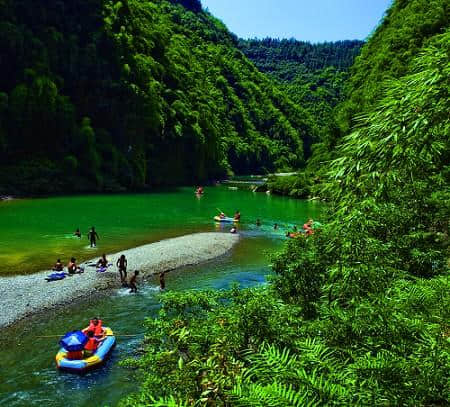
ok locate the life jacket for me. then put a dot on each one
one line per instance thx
(75, 355)
(91, 345)
(96, 329)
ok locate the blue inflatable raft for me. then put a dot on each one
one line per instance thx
(91, 362)
(225, 220)
(56, 276)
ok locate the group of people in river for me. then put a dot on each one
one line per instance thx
(307, 230)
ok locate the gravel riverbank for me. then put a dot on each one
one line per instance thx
(25, 295)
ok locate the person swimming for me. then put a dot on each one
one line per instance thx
(258, 222)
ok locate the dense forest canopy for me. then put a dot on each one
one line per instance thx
(286, 59)
(312, 75)
(407, 26)
(107, 95)
(358, 313)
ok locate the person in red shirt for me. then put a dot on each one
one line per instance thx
(307, 227)
(75, 355)
(95, 326)
(92, 344)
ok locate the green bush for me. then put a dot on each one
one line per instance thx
(296, 186)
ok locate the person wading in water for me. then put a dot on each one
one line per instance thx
(93, 236)
(133, 279)
(162, 281)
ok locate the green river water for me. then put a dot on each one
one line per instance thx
(33, 233)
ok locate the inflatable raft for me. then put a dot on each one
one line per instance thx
(91, 362)
(56, 276)
(224, 220)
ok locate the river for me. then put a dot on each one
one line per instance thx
(34, 232)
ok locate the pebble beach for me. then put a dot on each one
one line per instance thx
(24, 295)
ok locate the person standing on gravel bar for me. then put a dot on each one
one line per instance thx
(133, 282)
(93, 236)
(122, 265)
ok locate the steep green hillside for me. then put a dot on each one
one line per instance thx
(104, 95)
(312, 75)
(406, 28)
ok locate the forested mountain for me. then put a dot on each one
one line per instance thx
(312, 75)
(407, 26)
(286, 59)
(358, 313)
(106, 95)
